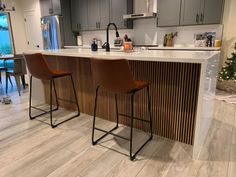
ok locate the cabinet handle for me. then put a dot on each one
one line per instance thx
(202, 17)
(99, 25)
(50, 11)
(197, 18)
(125, 23)
(79, 26)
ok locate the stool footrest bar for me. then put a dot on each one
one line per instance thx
(110, 132)
(69, 101)
(43, 110)
(136, 118)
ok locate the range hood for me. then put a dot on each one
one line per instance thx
(7, 5)
(143, 9)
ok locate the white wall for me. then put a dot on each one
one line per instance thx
(229, 38)
(33, 5)
(18, 24)
(18, 29)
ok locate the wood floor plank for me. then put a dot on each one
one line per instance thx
(161, 161)
(33, 149)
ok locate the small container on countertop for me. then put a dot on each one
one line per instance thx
(94, 46)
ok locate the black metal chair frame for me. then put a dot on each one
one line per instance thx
(132, 118)
(52, 84)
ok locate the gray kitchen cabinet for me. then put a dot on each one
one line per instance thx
(104, 13)
(56, 6)
(117, 9)
(68, 35)
(168, 13)
(98, 14)
(50, 7)
(212, 12)
(74, 16)
(201, 12)
(190, 12)
(46, 7)
(93, 14)
(81, 15)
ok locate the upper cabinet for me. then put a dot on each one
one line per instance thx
(104, 13)
(212, 12)
(96, 14)
(201, 12)
(189, 12)
(118, 9)
(171, 16)
(50, 7)
(56, 6)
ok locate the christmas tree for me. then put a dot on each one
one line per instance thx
(228, 71)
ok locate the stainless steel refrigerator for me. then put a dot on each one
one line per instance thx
(52, 31)
(56, 32)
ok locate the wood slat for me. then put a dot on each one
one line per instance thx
(174, 92)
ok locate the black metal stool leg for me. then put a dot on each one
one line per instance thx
(94, 115)
(132, 157)
(149, 110)
(117, 112)
(76, 100)
(55, 91)
(30, 98)
(30, 104)
(51, 121)
(6, 83)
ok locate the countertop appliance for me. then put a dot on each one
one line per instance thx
(52, 31)
(143, 9)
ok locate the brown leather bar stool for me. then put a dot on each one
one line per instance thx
(115, 76)
(40, 70)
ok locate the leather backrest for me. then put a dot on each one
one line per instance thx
(37, 66)
(113, 75)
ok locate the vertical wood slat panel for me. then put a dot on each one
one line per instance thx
(173, 92)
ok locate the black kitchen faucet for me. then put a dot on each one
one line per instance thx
(117, 35)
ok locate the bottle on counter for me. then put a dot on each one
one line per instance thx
(94, 46)
(165, 40)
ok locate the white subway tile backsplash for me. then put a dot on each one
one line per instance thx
(146, 32)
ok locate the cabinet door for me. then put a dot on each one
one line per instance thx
(168, 12)
(74, 15)
(82, 9)
(104, 13)
(190, 12)
(118, 9)
(56, 5)
(46, 7)
(93, 14)
(212, 13)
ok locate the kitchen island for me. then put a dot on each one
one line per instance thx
(182, 91)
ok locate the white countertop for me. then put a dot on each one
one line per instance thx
(160, 47)
(185, 48)
(141, 55)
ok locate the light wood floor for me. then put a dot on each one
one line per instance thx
(33, 149)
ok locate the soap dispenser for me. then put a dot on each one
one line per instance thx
(94, 46)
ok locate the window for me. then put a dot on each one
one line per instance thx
(6, 44)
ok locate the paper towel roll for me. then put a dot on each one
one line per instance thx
(79, 41)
